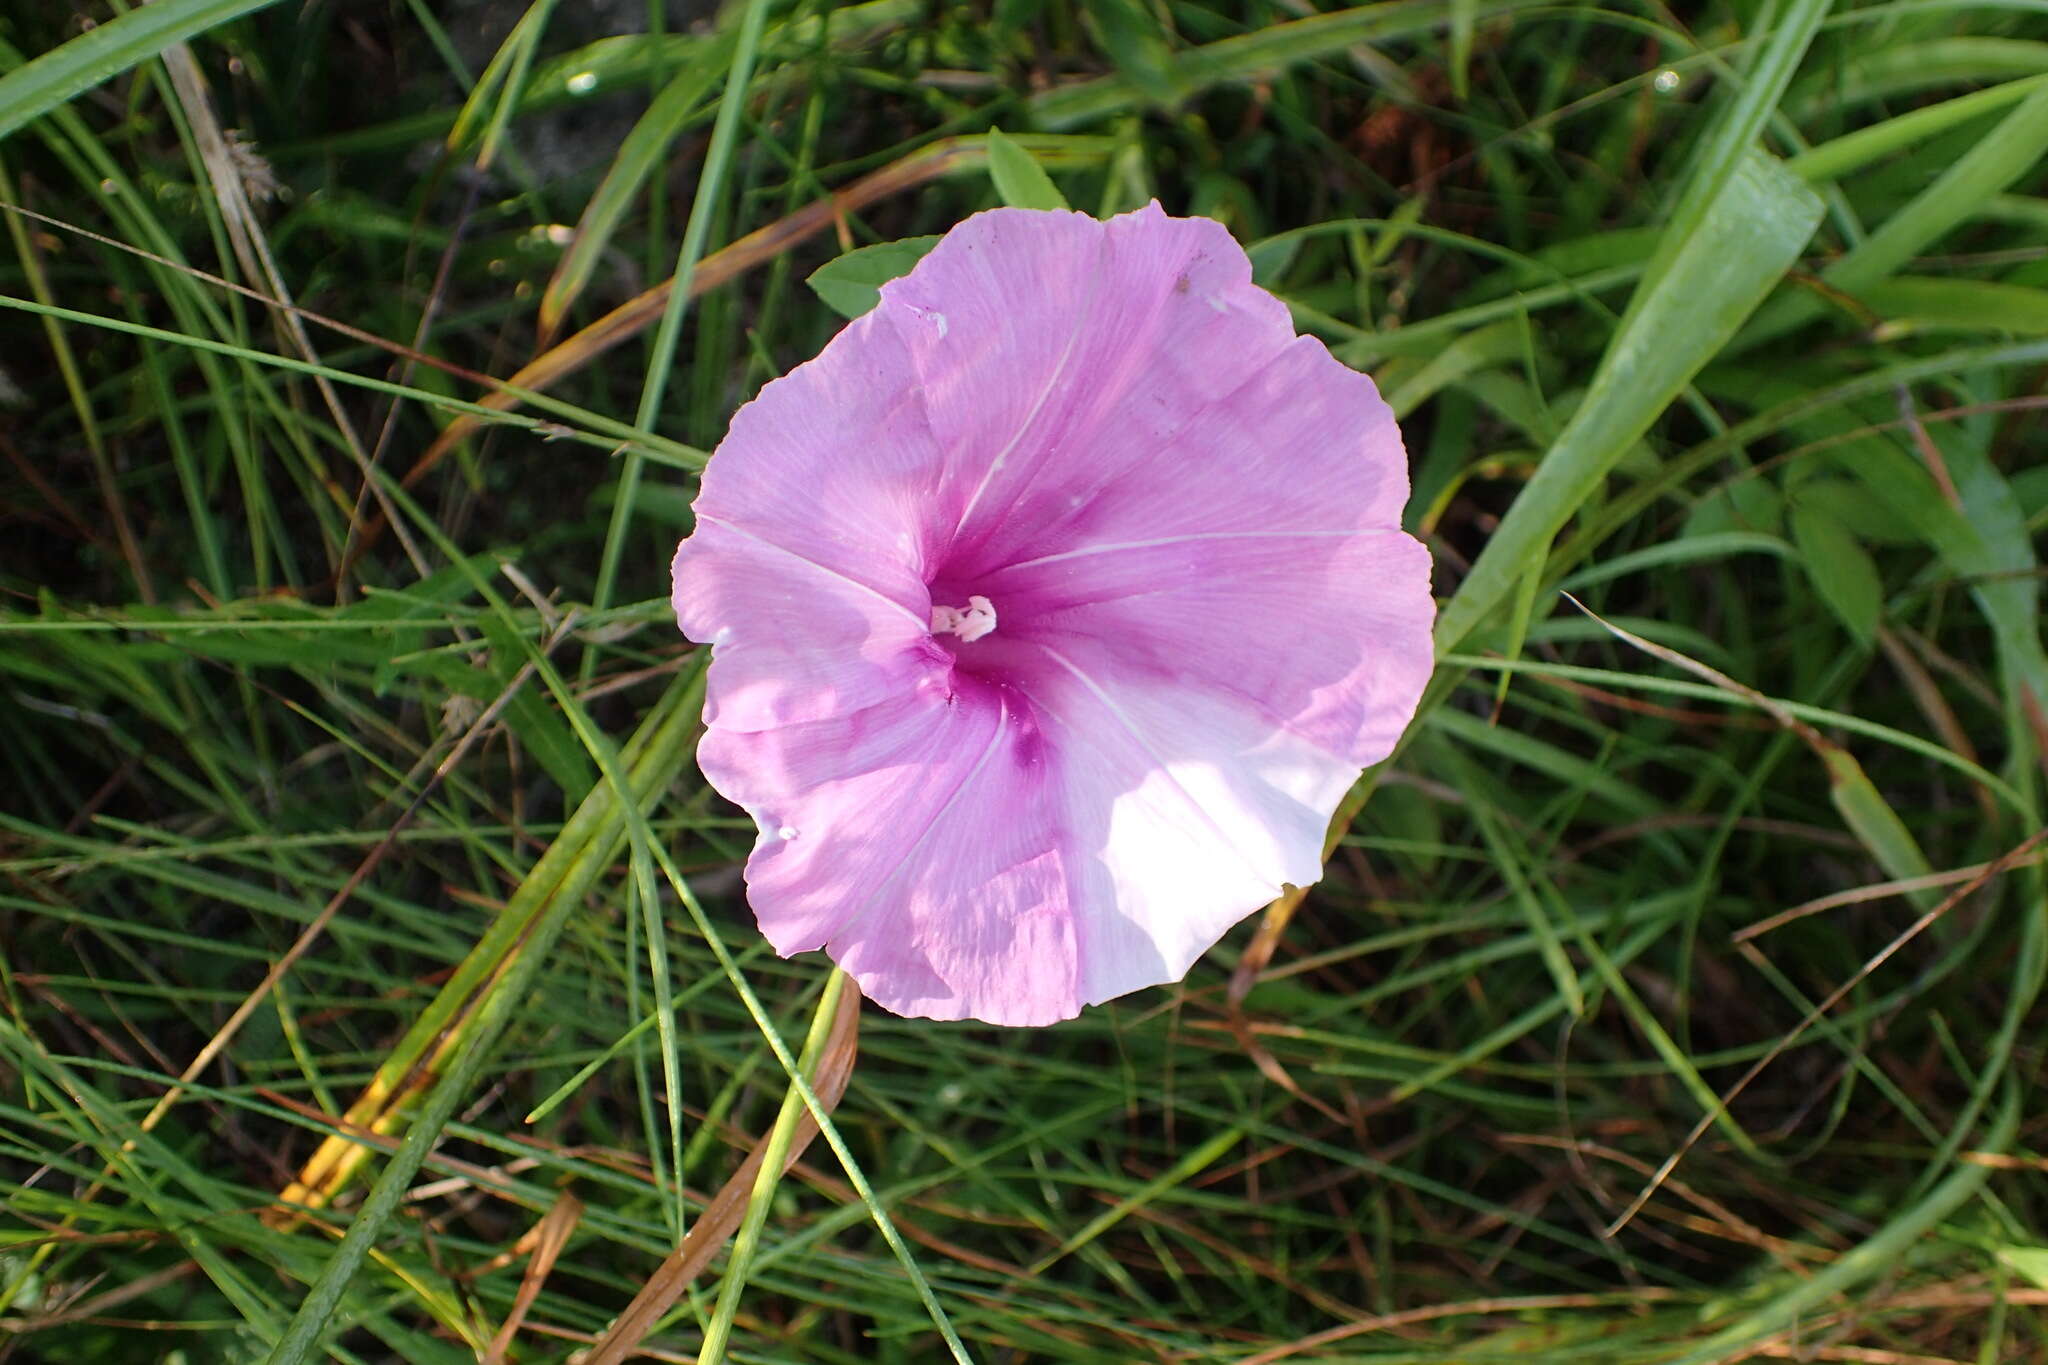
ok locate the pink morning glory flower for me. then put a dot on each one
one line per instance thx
(1053, 607)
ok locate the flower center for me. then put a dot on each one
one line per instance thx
(970, 623)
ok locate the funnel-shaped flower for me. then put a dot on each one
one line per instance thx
(1054, 607)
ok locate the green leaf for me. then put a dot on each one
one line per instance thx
(1134, 42)
(488, 103)
(1897, 70)
(1737, 250)
(2030, 492)
(1748, 504)
(1995, 161)
(1984, 542)
(105, 51)
(1853, 151)
(2030, 1262)
(1463, 13)
(1020, 181)
(1909, 303)
(712, 176)
(1874, 521)
(1271, 257)
(1841, 569)
(1876, 824)
(851, 284)
(1474, 351)
(1732, 144)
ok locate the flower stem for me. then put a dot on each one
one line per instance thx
(770, 1174)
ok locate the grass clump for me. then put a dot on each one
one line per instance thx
(371, 953)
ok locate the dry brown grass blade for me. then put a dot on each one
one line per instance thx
(1927, 697)
(1257, 954)
(721, 1217)
(549, 1237)
(1857, 895)
(227, 174)
(374, 1110)
(637, 314)
(1387, 1322)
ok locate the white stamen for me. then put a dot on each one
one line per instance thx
(970, 622)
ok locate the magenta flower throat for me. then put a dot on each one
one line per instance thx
(1054, 607)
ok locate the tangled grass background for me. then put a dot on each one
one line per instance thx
(1672, 995)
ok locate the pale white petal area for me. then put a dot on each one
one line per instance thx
(1198, 812)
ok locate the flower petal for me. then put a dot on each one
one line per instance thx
(1176, 527)
(806, 571)
(838, 458)
(793, 640)
(1260, 557)
(1325, 636)
(1195, 809)
(916, 840)
(1082, 365)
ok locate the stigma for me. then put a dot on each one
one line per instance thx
(970, 623)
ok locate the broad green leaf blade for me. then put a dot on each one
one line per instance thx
(105, 51)
(1840, 568)
(1020, 181)
(1986, 543)
(1874, 823)
(1909, 303)
(1853, 151)
(1743, 244)
(2032, 1262)
(1132, 38)
(851, 284)
(1996, 160)
(1733, 141)
(1462, 13)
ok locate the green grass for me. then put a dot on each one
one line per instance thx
(350, 833)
